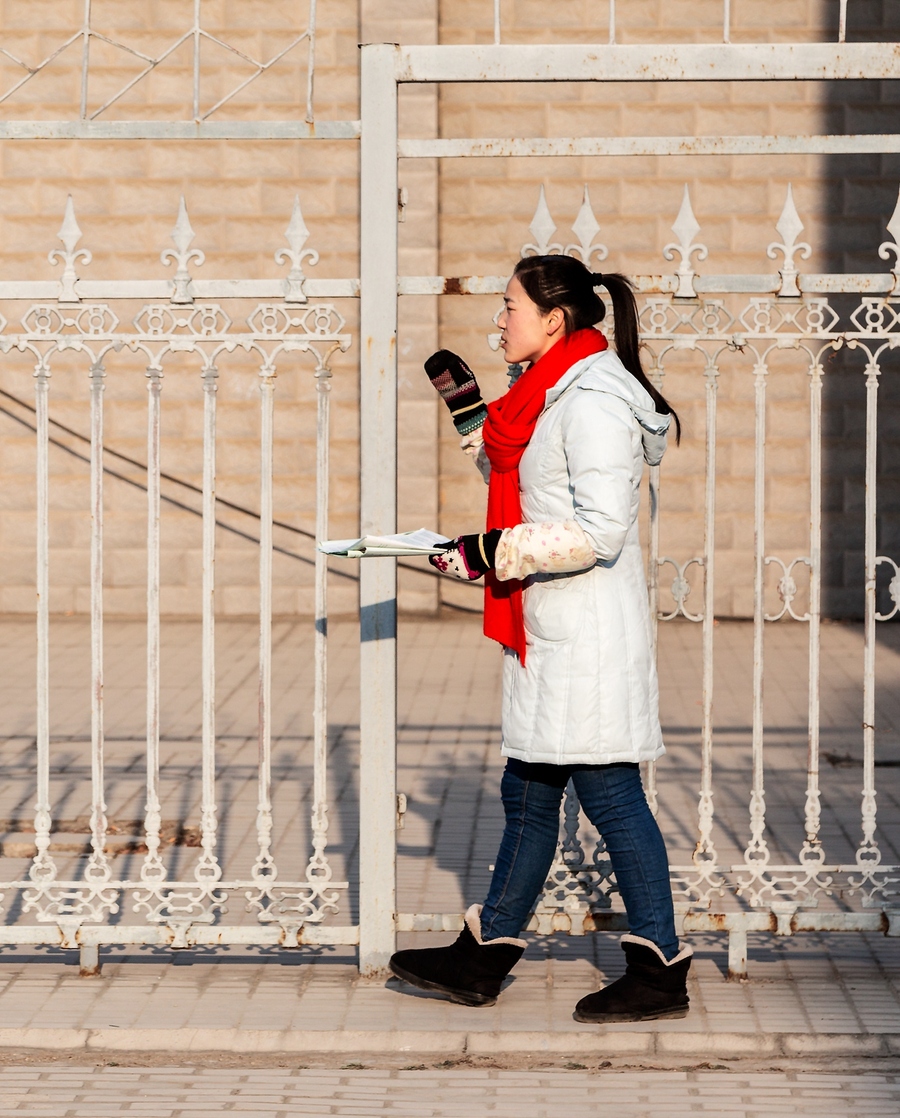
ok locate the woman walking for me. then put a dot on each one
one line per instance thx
(563, 451)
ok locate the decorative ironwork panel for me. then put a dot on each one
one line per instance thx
(752, 329)
(159, 332)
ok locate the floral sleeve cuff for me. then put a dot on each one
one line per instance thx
(544, 548)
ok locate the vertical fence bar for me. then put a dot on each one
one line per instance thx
(98, 865)
(704, 852)
(612, 21)
(653, 594)
(265, 863)
(152, 868)
(842, 22)
(496, 21)
(756, 851)
(726, 21)
(42, 868)
(311, 63)
(812, 810)
(868, 850)
(653, 558)
(378, 508)
(317, 863)
(208, 864)
(196, 59)
(85, 57)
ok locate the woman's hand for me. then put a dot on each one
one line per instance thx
(458, 388)
(468, 557)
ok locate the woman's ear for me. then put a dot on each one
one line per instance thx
(555, 320)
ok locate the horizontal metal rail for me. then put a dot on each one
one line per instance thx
(766, 283)
(691, 62)
(163, 288)
(74, 935)
(887, 923)
(667, 284)
(561, 146)
(179, 130)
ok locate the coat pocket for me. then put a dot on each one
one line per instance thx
(553, 610)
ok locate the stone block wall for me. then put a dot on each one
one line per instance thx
(464, 216)
(487, 205)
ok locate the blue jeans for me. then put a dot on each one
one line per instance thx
(612, 797)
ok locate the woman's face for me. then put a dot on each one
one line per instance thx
(526, 334)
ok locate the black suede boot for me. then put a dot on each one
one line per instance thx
(651, 989)
(469, 971)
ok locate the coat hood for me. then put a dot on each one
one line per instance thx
(604, 372)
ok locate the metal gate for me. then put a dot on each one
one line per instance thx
(753, 315)
(715, 317)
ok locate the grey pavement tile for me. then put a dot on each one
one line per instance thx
(450, 768)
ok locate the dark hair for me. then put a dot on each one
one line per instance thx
(565, 283)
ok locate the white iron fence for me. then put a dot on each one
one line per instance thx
(751, 320)
(713, 317)
(181, 322)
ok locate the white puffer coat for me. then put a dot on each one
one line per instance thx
(588, 692)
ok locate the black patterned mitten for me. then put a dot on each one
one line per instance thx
(459, 390)
(468, 557)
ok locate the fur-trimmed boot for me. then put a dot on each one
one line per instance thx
(651, 989)
(469, 971)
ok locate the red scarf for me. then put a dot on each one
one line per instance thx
(510, 424)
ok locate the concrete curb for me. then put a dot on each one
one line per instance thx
(456, 1043)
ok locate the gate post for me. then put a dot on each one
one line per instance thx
(378, 508)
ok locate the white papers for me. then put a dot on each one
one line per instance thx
(420, 542)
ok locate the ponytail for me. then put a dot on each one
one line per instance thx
(628, 342)
(565, 283)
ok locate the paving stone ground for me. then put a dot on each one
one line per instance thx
(179, 1092)
(807, 997)
(830, 999)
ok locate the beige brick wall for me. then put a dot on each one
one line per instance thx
(239, 196)
(462, 217)
(487, 205)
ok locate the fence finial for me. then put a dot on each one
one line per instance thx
(70, 234)
(790, 227)
(542, 229)
(586, 227)
(182, 235)
(685, 227)
(296, 236)
(887, 247)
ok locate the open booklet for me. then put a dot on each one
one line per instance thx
(420, 542)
